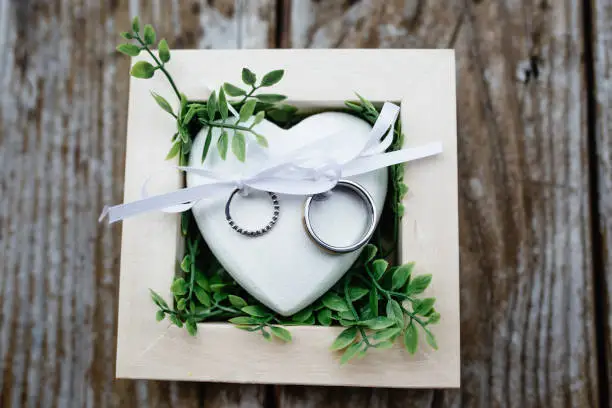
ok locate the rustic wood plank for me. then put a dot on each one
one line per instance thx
(602, 46)
(62, 131)
(526, 279)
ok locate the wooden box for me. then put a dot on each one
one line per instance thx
(423, 82)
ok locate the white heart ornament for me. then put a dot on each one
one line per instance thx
(283, 268)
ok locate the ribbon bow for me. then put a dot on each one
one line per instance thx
(308, 170)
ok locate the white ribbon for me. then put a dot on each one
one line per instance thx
(307, 170)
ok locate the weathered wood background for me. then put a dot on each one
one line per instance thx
(535, 151)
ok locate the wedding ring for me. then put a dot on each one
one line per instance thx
(362, 193)
(244, 231)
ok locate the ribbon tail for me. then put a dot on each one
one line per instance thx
(162, 201)
(378, 161)
(381, 135)
(104, 213)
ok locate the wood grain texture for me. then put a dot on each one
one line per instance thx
(526, 274)
(62, 131)
(602, 55)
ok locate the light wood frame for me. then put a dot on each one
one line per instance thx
(423, 81)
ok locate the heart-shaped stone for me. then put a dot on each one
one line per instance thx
(283, 268)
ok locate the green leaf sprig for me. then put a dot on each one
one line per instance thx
(251, 112)
(250, 79)
(204, 291)
(376, 303)
(213, 113)
(144, 69)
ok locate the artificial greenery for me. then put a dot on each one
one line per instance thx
(215, 112)
(376, 303)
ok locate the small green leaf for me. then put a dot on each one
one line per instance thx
(366, 312)
(248, 77)
(184, 216)
(324, 317)
(162, 102)
(434, 318)
(174, 150)
(184, 134)
(424, 306)
(136, 24)
(286, 108)
(183, 102)
(202, 296)
(411, 338)
(356, 293)
(266, 335)
(223, 109)
(270, 98)
(281, 333)
(181, 304)
(126, 35)
(394, 312)
(379, 267)
(218, 287)
(247, 110)
(387, 334)
(334, 302)
(192, 307)
(176, 321)
(351, 352)
(163, 50)
(302, 315)
(310, 321)
(191, 111)
(158, 300)
(418, 284)
(346, 316)
(374, 301)
(257, 311)
(233, 90)
(243, 320)
(191, 327)
(353, 106)
(237, 301)
(401, 275)
(149, 34)
(212, 106)
(143, 70)
(222, 143)
(207, 144)
(368, 253)
(344, 339)
(278, 115)
(262, 141)
(179, 287)
(379, 323)
(159, 316)
(367, 104)
(186, 263)
(202, 281)
(239, 146)
(402, 190)
(272, 77)
(186, 147)
(431, 340)
(258, 118)
(400, 210)
(129, 49)
(384, 345)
